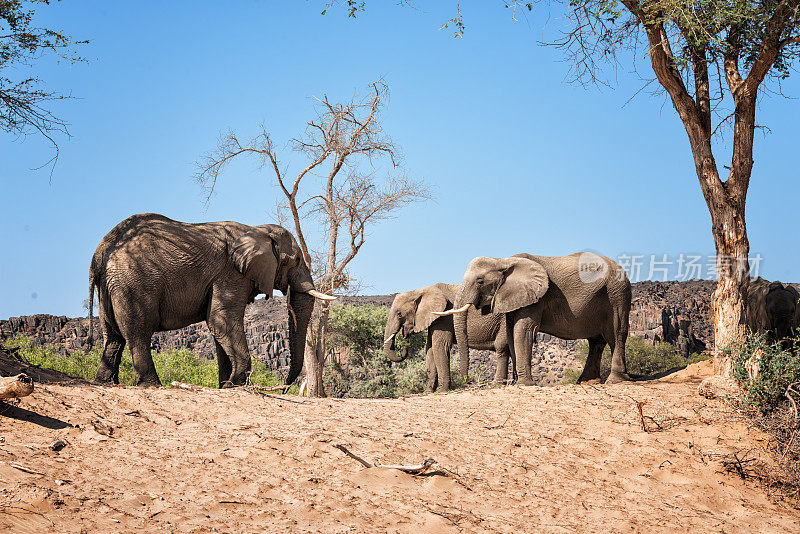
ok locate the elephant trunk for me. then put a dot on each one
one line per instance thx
(392, 328)
(391, 353)
(301, 306)
(462, 340)
(782, 326)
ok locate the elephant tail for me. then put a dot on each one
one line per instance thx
(90, 338)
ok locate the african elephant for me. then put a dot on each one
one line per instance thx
(412, 312)
(154, 274)
(582, 295)
(773, 308)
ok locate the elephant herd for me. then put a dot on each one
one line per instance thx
(502, 303)
(152, 273)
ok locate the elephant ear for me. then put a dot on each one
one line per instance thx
(774, 286)
(796, 321)
(791, 289)
(525, 282)
(431, 299)
(255, 256)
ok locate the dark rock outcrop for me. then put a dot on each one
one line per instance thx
(674, 312)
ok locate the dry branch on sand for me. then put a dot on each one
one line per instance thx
(411, 469)
(283, 388)
(24, 469)
(13, 387)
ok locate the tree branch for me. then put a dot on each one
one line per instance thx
(771, 45)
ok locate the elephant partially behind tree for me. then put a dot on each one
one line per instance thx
(774, 308)
(153, 274)
(580, 296)
(414, 311)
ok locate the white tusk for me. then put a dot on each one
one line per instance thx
(462, 309)
(388, 339)
(321, 296)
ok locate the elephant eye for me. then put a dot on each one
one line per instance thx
(479, 281)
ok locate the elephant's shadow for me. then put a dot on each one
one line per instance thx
(21, 414)
(656, 376)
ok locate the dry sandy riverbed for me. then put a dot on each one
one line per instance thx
(526, 459)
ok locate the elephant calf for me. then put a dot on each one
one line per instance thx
(414, 311)
(773, 308)
(154, 274)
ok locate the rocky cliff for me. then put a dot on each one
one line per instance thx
(675, 312)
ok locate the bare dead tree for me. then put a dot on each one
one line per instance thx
(347, 141)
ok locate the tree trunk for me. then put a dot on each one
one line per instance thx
(729, 301)
(730, 296)
(316, 349)
(726, 203)
(315, 355)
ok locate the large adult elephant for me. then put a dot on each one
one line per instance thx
(579, 296)
(153, 274)
(413, 312)
(772, 307)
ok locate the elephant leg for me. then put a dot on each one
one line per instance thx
(237, 364)
(112, 356)
(144, 371)
(441, 343)
(501, 374)
(223, 364)
(430, 367)
(514, 375)
(591, 370)
(619, 367)
(524, 324)
(136, 316)
(226, 321)
(512, 353)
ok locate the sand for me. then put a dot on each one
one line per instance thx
(521, 459)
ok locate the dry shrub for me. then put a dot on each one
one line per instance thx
(781, 471)
(770, 403)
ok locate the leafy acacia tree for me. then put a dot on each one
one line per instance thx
(704, 54)
(337, 191)
(711, 57)
(22, 98)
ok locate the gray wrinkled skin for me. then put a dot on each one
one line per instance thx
(412, 312)
(154, 274)
(567, 297)
(772, 307)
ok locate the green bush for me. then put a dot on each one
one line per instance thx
(412, 376)
(644, 359)
(779, 367)
(372, 375)
(570, 376)
(178, 365)
(361, 328)
(368, 373)
(358, 327)
(641, 357)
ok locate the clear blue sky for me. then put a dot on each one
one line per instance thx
(518, 159)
